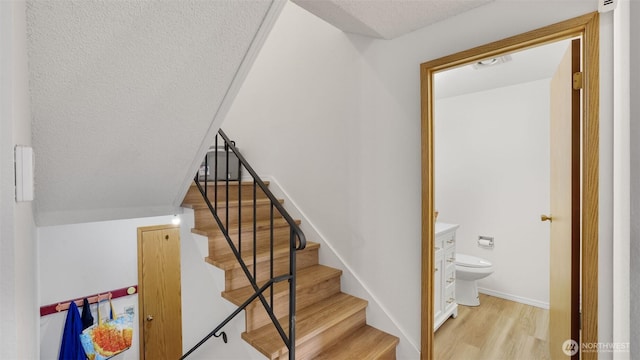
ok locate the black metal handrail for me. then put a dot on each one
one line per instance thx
(297, 239)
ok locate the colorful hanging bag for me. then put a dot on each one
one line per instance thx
(108, 337)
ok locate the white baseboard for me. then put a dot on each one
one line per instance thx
(520, 299)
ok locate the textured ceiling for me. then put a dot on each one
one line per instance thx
(125, 95)
(386, 19)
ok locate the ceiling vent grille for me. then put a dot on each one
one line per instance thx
(607, 5)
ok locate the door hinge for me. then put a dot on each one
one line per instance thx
(577, 80)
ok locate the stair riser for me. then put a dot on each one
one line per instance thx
(389, 354)
(204, 219)
(256, 316)
(235, 279)
(313, 346)
(218, 244)
(246, 192)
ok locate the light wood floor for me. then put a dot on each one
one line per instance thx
(497, 329)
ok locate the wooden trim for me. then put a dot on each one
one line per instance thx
(590, 184)
(586, 26)
(428, 222)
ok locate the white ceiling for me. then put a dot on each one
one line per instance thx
(528, 65)
(123, 95)
(386, 19)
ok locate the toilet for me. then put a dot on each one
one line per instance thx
(470, 269)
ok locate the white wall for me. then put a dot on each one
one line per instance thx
(492, 178)
(634, 41)
(18, 248)
(336, 119)
(85, 259)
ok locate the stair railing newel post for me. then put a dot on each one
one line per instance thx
(297, 242)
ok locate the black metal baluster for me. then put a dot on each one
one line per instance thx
(215, 173)
(239, 209)
(226, 180)
(255, 229)
(271, 247)
(206, 173)
(292, 294)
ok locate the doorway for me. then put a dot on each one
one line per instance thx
(587, 28)
(159, 297)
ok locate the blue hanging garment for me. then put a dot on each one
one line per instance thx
(87, 318)
(71, 348)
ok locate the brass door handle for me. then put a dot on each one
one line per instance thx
(149, 317)
(546, 218)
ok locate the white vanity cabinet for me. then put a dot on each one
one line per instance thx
(444, 301)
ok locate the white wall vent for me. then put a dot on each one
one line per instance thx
(607, 5)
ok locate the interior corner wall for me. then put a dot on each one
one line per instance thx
(335, 118)
(18, 248)
(634, 60)
(492, 178)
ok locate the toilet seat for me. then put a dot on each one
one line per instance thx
(471, 261)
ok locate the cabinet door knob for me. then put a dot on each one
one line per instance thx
(149, 318)
(546, 218)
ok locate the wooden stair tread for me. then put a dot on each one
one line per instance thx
(245, 227)
(228, 261)
(367, 343)
(224, 182)
(306, 277)
(310, 321)
(232, 204)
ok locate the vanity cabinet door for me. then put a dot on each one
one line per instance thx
(438, 285)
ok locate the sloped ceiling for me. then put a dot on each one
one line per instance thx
(386, 19)
(126, 96)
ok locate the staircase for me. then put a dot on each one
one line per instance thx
(329, 324)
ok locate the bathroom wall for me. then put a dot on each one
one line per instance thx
(492, 178)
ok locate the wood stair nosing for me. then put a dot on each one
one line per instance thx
(279, 236)
(245, 227)
(306, 277)
(324, 321)
(228, 261)
(232, 183)
(204, 219)
(236, 278)
(366, 343)
(194, 195)
(201, 205)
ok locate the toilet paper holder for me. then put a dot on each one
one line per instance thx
(485, 242)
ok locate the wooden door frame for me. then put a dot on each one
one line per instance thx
(141, 285)
(586, 26)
